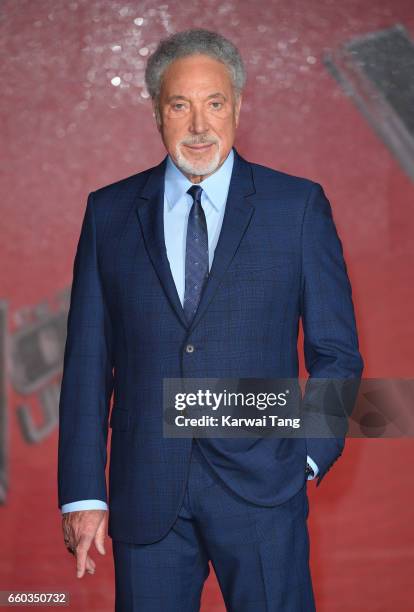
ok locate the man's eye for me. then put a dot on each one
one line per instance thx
(217, 105)
(178, 106)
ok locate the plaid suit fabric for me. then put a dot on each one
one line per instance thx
(259, 554)
(278, 258)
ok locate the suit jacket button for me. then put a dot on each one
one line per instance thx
(189, 348)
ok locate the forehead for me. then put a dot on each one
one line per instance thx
(195, 75)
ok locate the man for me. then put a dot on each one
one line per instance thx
(200, 267)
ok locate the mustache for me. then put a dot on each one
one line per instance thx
(198, 141)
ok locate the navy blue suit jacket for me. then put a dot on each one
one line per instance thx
(278, 259)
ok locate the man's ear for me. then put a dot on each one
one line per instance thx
(156, 115)
(237, 109)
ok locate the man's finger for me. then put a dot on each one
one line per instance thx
(80, 562)
(100, 537)
(90, 565)
(100, 546)
(81, 555)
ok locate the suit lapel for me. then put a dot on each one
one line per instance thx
(237, 215)
(150, 211)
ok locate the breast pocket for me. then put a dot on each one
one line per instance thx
(256, 271)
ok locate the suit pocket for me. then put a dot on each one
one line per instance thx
(253, 271)
(119, 420)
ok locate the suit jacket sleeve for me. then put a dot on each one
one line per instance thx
(331, 349)
(87, 381)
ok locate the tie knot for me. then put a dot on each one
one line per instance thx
(195, 192)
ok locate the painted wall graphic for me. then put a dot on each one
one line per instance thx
(329, 96)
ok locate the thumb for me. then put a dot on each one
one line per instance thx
(100, 538)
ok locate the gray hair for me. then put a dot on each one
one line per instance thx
(191, 42)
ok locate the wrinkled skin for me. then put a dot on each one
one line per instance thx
(80, 530)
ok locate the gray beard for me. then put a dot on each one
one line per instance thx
(197, 169)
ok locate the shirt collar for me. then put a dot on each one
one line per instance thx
(215, 186)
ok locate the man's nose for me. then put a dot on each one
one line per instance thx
(198, 122)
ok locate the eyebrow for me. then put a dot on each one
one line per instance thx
(180, 97)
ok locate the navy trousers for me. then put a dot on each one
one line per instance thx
(260, 554)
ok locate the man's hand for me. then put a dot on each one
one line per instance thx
(80, 529)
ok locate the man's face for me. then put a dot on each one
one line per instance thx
(198, 114)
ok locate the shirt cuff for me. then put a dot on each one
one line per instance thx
(313, 466)
(85, 504)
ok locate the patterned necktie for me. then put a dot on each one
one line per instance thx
(196, 255)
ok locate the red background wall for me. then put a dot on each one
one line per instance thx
(67, 131)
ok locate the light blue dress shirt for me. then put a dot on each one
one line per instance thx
(177, 204)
